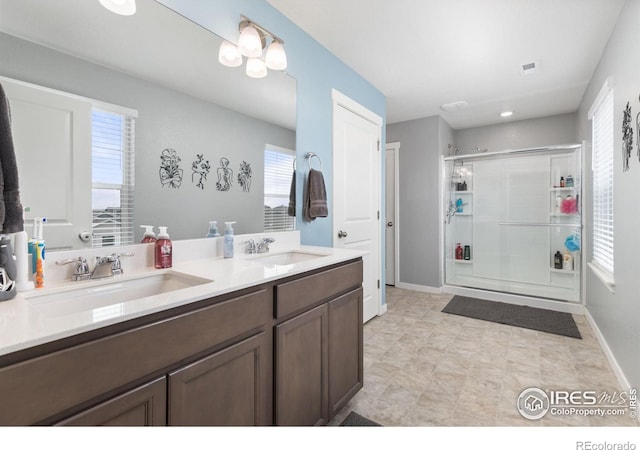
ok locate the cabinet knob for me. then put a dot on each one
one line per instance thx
(342, 234)
(389, 224)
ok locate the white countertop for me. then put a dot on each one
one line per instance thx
(23, 324)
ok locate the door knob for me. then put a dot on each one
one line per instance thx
(389, 224)
(342, 234)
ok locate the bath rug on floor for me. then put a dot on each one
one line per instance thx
(516, 315)
(356, 420)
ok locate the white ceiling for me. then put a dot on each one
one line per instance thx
(155, 44)
(424, 53)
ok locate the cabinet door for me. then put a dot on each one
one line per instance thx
(345, 349)
(230, 387)
(302, 369)
(142, 406)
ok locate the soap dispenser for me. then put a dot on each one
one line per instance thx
(163, 254)
(213, 229)
(149, 235)
(228, 240)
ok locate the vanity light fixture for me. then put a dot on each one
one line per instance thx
(251, 43)
(122, 7)
(506, 114)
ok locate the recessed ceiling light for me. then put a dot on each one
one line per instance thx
(506, 114)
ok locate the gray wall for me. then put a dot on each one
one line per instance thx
(554, 130)
(421, 144)
(618, 315)
(167, 119)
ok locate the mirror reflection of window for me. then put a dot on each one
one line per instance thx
(112, 164)
(278, 171)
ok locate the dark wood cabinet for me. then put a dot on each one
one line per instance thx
(345, 349)
(302, 383)
(229, 387)
(318, 345)
(142, 406)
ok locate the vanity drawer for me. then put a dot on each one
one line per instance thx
(298, 295)
(39, 388)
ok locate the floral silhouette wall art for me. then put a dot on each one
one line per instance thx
(170, 171)
(244, 177)
(200, 169)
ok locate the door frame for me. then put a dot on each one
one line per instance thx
(395, 147)
(339, 100)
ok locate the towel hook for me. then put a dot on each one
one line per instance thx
(310, 155)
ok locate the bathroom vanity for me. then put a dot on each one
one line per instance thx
(282, 348)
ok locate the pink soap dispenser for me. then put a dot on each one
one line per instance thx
(149, 235)
(163, 252)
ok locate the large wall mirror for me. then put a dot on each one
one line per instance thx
(206, 119)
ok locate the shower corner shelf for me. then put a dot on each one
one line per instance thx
(462, 192)
(562, 271)
(463, 214)
(556, 189)
(461, 261)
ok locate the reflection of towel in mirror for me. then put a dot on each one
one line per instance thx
(315, 197)
(292, 196)
(11, 214)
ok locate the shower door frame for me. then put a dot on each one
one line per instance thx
(509, 297)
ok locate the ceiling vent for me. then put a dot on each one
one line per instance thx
(529, 68)
(454, 106)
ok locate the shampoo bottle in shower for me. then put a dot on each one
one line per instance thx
(467, 252)
(557, 260)
(459, 251)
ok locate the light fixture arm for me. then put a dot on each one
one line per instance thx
(263, 32)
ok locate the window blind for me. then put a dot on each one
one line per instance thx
(602, 129)
(278, 171)
(113, 184)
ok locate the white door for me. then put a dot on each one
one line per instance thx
(52, 140)
(356, 191)
(391, 213)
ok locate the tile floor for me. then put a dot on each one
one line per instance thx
(423, 367)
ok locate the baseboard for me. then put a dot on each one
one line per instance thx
(383, 309)
(419, 288)
(617, 370)
(553, 305)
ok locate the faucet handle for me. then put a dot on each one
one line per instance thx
(116, 266)
(80, 271)
(251, 246)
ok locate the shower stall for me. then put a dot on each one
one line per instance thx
(513, 222)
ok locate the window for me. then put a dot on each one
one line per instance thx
(278, 171)
(112, 162)
(602, 117)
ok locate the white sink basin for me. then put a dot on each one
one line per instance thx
(286, 258)
(99, 294)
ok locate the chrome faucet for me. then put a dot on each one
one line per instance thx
(106, 266)
(263, 245)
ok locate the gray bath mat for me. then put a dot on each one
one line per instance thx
(356, 420)
(517, 315)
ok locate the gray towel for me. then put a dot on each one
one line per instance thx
(315, 197)
(292, 196)
(11, 214)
